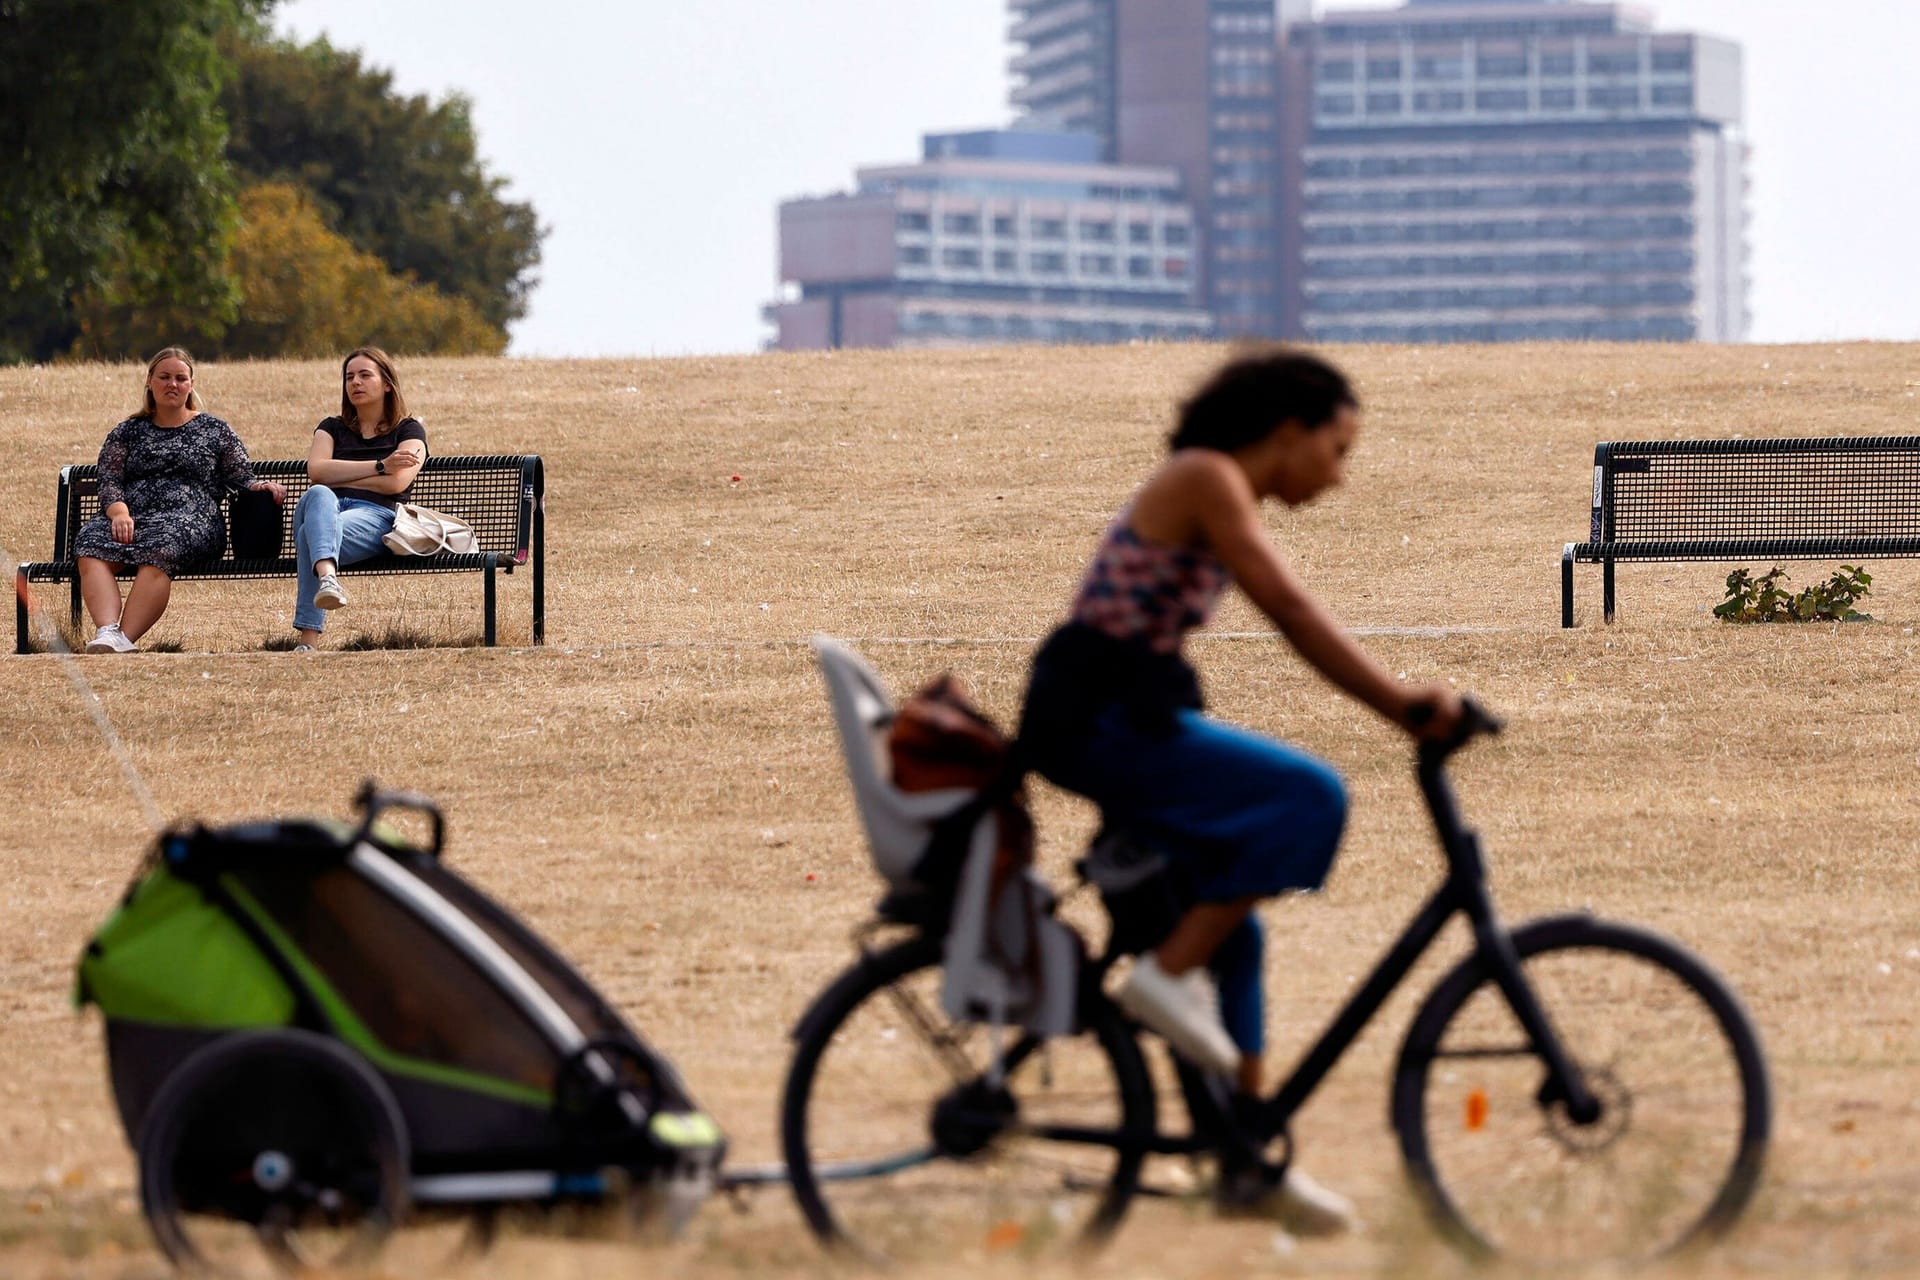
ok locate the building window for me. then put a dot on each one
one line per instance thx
(1097, 231)
(1556, 64)
(1049, 228)
(1339, 72)
(961, 224)
(1440, 100)
(1175, 268)
(1383, 104)
(1140, 268)
(1440, 68)
(1492, 67)
(1139, 233)
(1613, 97)
(912, 222)
(915, 255)
(1005, 260)
(1341, 105)
(1673, 59)
(1096, 264)
(1003, 225)
(1383, 68)
(963, 259)
(1500, 100)
(1556, 99)
(1601, 64)
(1177, 233)
(1673, 95)
(1047, 264)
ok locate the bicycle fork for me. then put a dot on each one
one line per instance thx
(1565, 1083)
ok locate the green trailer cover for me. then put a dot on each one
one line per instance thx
(169, 957)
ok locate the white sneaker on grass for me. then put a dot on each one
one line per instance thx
(1295, 1201)
(109, 639)
(330, 594)
(1185, 1010)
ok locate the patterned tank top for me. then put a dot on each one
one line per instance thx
(1148, 593)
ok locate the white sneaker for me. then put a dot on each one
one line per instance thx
(108, 639)
(1296, 1202)
(330, 594)
(1186, 1010)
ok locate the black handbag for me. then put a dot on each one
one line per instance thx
(253, 520)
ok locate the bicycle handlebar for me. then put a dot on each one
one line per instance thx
(1475, 721)
(371, 799)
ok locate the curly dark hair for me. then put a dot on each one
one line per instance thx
(1254, 393)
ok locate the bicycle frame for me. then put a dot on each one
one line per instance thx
(1464, 892)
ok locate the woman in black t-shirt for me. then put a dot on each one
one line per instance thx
(361, 464)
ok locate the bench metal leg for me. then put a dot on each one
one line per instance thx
(1606, 578)
(73, 600)
(492, 597)
(20, 622)
(540, 572)
(1566, 586)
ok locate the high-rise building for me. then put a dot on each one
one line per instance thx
(1191, 84)
(993, 236)
(1451, 170)
(1493, 170)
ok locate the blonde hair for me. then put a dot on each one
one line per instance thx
(394, 411)
(166, 353)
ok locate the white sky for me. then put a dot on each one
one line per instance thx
(656, 138)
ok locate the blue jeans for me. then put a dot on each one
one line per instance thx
(1240, 814)
(329, 527)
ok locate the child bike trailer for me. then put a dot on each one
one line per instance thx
(317, 1034)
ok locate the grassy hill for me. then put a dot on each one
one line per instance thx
(658, 789)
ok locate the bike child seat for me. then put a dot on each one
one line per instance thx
(898, 823)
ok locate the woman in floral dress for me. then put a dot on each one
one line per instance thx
(163, 473)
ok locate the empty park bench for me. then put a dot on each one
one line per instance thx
(501, 495)
(1758, 500)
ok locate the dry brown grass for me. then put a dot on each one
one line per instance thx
(654, 786)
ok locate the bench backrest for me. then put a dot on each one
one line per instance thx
(498, 494)
(1699, 490)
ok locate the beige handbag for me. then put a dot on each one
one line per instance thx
(422, 531)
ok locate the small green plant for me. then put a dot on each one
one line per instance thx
(1767, 598)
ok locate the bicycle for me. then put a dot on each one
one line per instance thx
(1605, 1054)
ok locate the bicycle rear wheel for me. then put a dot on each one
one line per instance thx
(899, 1147)
(1666, 1049)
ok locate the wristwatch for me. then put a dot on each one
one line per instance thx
(379, 466)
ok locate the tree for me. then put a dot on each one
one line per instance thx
(310, 293)
(398, 176)
(115, 177)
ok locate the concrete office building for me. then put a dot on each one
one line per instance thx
(1448, 171)
(1195, 85)
(994, 236)
(1495, 170)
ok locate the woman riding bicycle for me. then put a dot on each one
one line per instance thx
(1113, 710)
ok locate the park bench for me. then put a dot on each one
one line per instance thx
(501, 495)
(1758, 500)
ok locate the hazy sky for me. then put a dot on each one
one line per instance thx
(656, 138)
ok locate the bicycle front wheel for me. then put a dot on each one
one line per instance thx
(901, 1145)
(1672, 1059)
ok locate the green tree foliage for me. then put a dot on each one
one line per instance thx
(396, 175)
(309, 292)
(114, 178)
